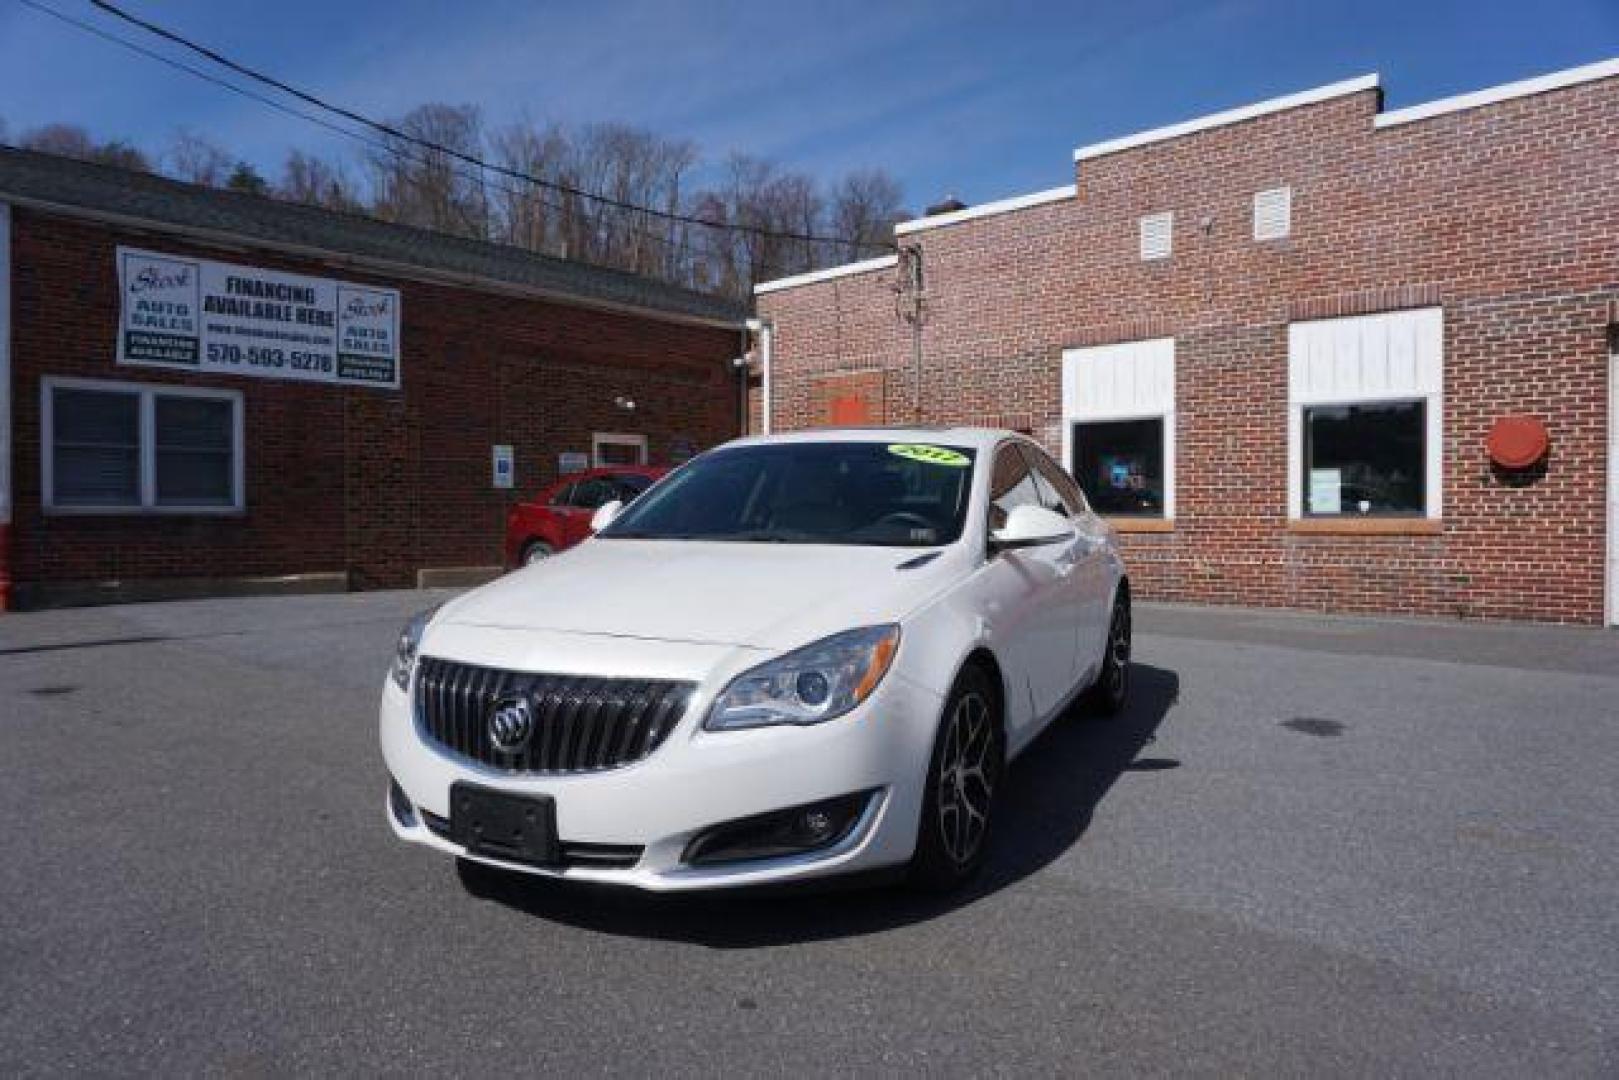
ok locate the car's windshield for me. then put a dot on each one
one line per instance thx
(890, 494)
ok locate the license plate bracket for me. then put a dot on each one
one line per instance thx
(500, 825)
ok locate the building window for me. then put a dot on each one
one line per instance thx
(195, 441)
(1157, 235)
(122, 447)
(1273, 214)
(1120, 465)
(1119, 426)
(1365, 416)
(96, 444)
(609, 449)
(1365, 459)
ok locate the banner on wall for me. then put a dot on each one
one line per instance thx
(200, 315)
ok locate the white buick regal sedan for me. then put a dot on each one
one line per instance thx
(794, 657)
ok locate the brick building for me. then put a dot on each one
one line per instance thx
(202, 391)
(1273, 345)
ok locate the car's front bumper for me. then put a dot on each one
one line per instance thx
(695, 780)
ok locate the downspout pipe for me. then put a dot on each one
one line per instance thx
(7, 497)
(765, 331)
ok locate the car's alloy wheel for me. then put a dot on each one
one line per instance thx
(1113, 682)
(963, 781)
(967, 781)
(536, 551)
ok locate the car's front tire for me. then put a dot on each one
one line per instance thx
(535, 550)
(964, 779)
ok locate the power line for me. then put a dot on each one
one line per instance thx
(470, 159)
(681, 245)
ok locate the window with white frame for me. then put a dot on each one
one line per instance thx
(613, 448)
(109, 447)
(1119, 426)
(1365, 416)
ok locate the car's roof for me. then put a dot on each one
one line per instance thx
(976, 438)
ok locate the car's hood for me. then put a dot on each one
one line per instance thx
(767, 596)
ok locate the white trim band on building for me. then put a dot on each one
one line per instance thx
(1229, 116)
(881, 263)
(989, 209)
(1556, 80)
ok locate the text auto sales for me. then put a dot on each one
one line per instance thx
(269, 300)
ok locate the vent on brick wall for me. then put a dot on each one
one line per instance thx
(1273, 213)
(1157, 235)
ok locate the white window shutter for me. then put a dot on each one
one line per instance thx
(1273, 213)
(1157, 235)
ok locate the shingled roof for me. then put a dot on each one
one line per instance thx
(67, 185)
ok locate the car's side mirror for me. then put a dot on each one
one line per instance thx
(604, 515)
(1031, 526)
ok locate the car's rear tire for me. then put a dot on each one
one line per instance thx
(1107, 695)
(535, 550)
(963, 786)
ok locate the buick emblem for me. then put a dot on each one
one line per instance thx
(511, 725)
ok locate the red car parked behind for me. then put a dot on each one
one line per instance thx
(559, 516)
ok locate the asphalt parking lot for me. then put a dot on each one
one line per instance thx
(1310, 845)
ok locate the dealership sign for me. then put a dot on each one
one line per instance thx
(216, 317)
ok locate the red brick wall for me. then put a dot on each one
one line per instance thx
(380, 483)
(1507, 216)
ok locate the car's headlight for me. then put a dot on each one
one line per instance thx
(410, 639)
(818, 682)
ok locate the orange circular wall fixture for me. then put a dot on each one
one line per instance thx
(1517, 442)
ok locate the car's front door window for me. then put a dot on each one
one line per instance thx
(1010, 485)
(1058, 489)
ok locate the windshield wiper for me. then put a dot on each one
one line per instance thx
(641, 534)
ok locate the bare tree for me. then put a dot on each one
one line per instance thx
(70, 140)
(632, 167)
(529, 215)
(432, 189)
(759, 202)
(609, 194)
(197, 160)
(865, 209)
(64, 140)
(312, 180)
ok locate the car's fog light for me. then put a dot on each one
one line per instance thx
(793, 831)
(399, 803)
(816, 825)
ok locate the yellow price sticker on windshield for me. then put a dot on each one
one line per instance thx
(930, 455)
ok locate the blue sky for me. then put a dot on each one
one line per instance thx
(982, 100)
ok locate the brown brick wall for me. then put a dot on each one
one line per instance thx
(1507, 216)
(380, 483)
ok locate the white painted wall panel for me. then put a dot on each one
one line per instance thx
(1116, 382)
(1394, 355)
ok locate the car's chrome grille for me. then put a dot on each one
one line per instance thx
(578, 723)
